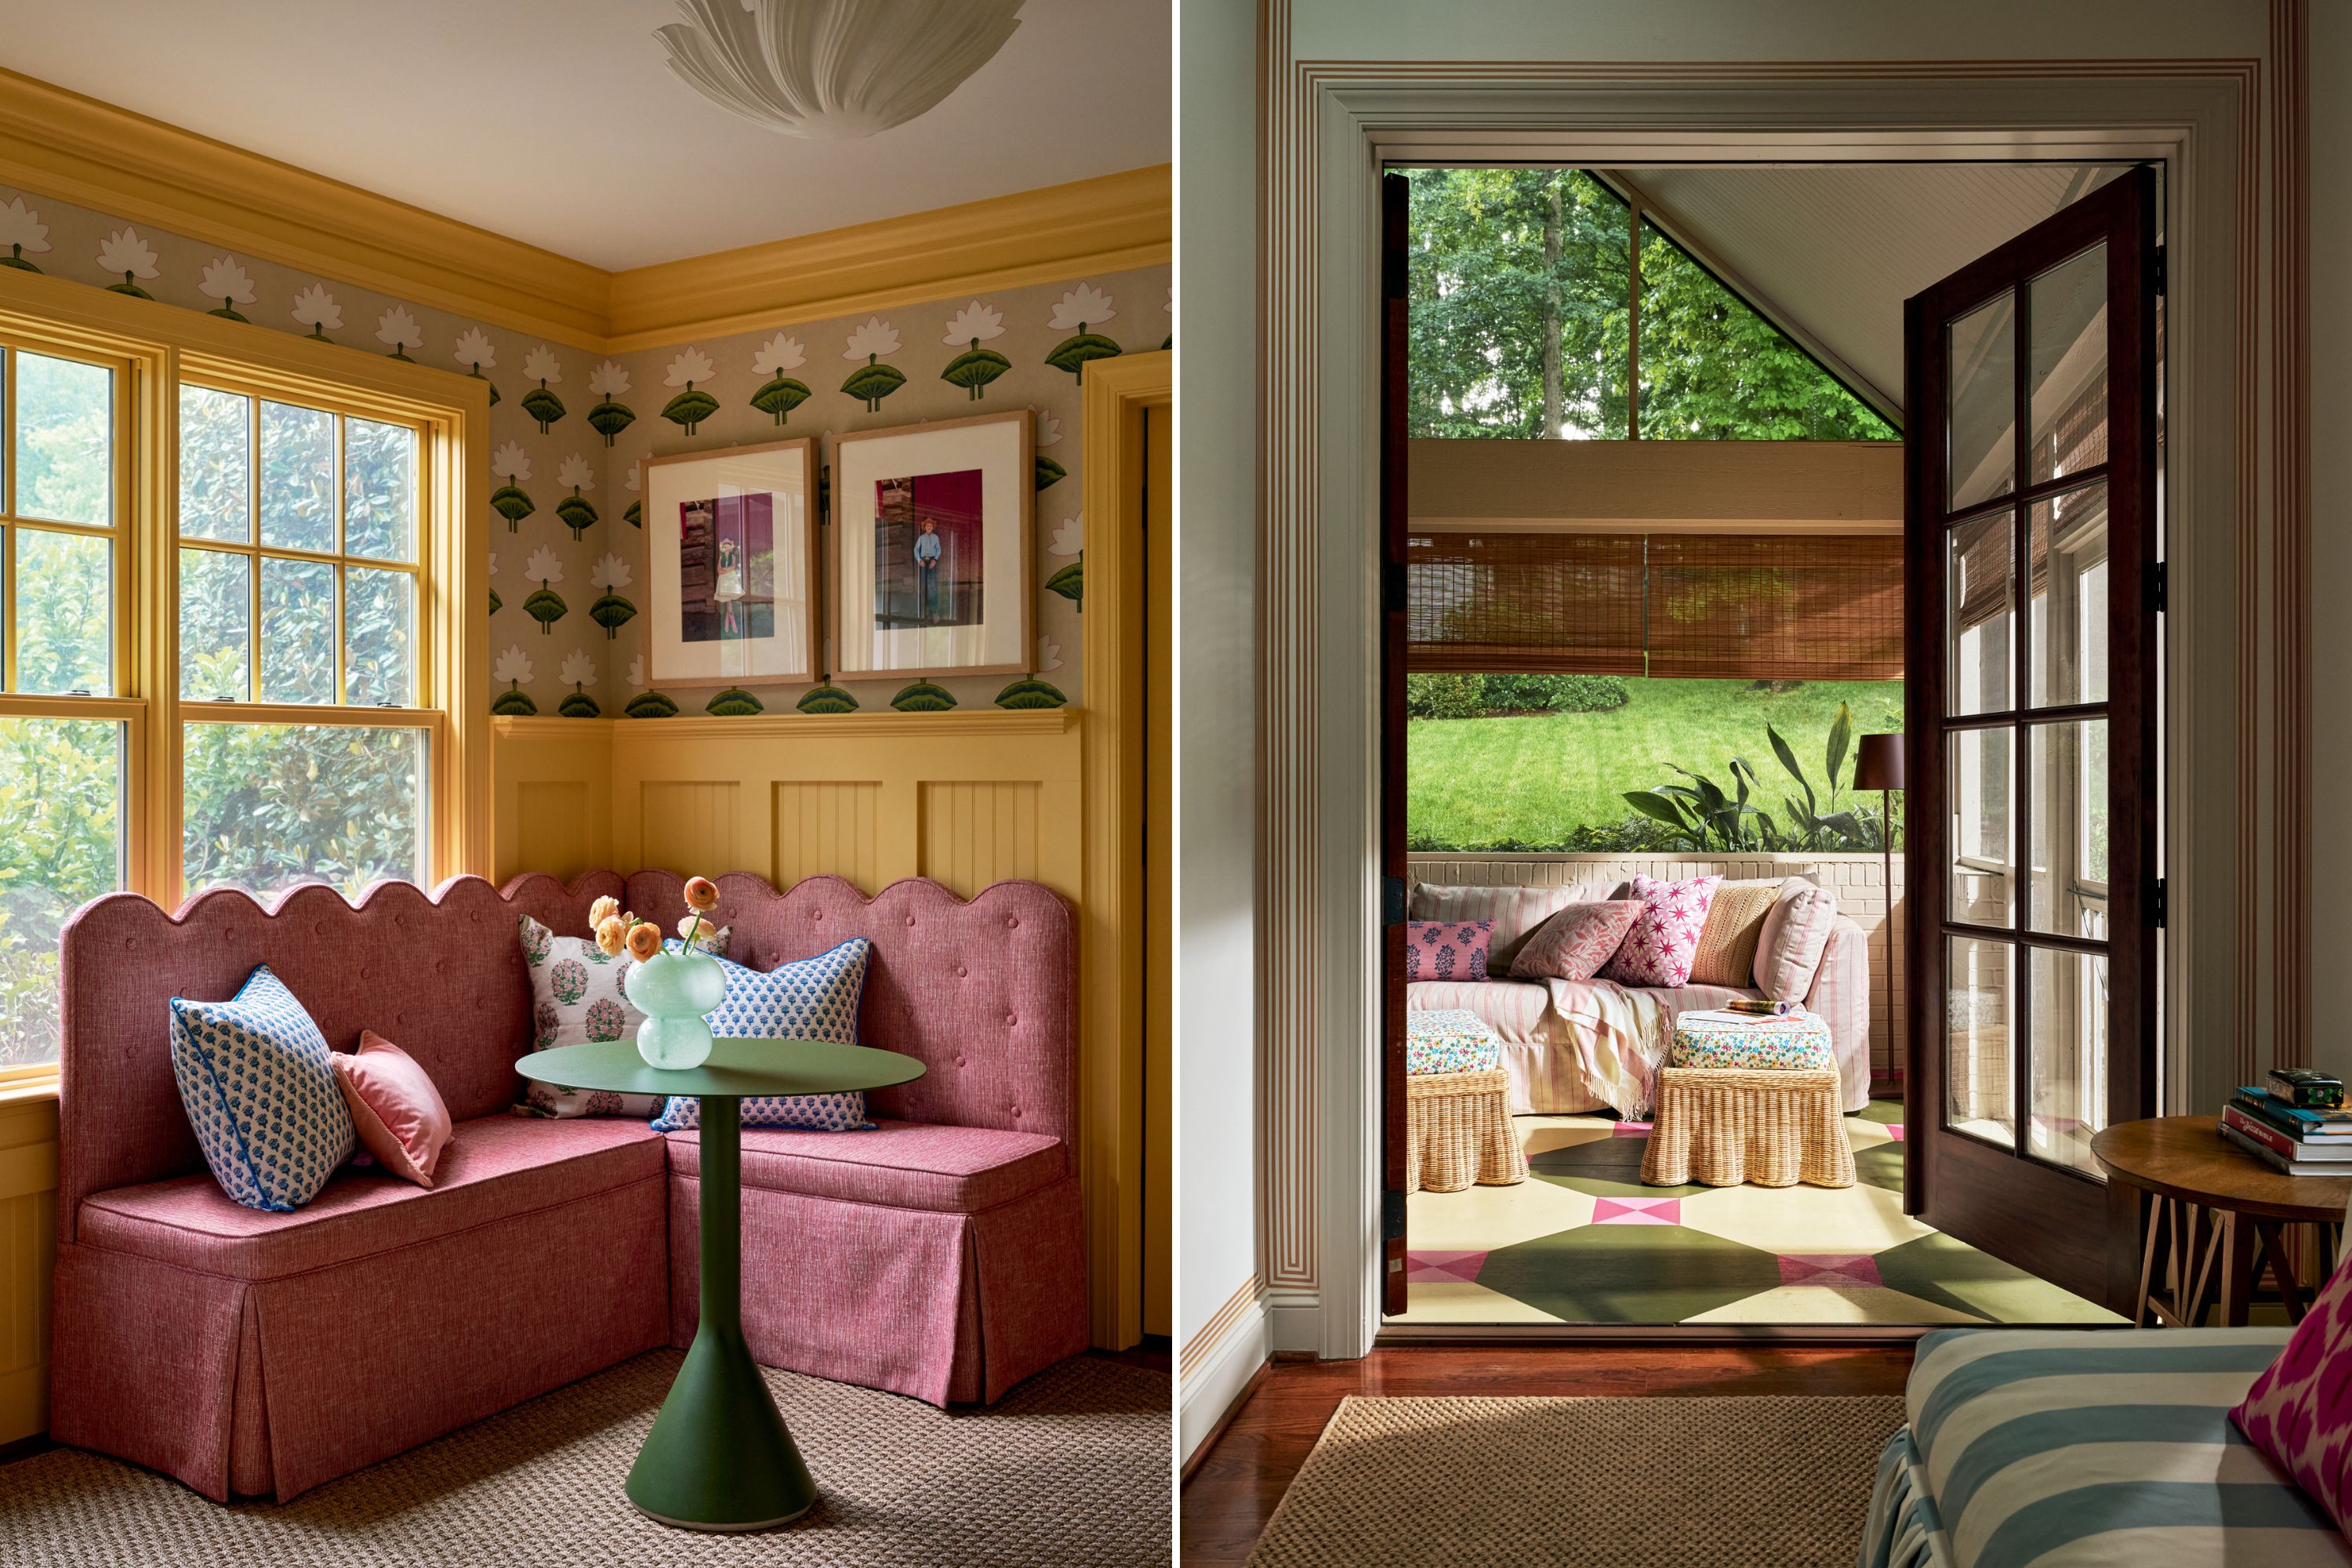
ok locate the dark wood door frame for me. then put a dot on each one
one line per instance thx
(1395, 193)
(2057, 1223)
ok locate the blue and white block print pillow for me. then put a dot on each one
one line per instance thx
(260, 1093)
(808, 999)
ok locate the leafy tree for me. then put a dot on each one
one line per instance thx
(1518, 325)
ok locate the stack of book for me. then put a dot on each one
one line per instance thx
(2296, 1122)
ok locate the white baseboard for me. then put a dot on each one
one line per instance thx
(1212, 1389)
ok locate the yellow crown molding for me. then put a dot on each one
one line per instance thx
(798, 726)
(1102, 225)
(61, 144)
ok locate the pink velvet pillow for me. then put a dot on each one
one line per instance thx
(1574, 943)
(2299, 1412)
(400, 1116)
(1658, 951)
(1447, 950)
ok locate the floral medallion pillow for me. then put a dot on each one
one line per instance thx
(2299, 1411)
(575, 1000)
(1660, 948)
(808, 999)
(254, 1077)
(1447, 950)
(1574, 943)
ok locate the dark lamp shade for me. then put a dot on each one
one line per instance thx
(1878, 762)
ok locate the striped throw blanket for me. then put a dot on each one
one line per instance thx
(2074, 1448)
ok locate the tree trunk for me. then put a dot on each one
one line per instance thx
(1551, 390)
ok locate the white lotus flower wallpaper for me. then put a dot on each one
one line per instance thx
(228, 285)
(579, 669)
(875, 339)
(974, 323)
(510, 462)
(127, 257)
(779, 354)
(1049, 656)
(1083, 307)
(543, 567)
(1067, 539)
(23, 232)
(611, 573)
(542, 366)
(1049, 427)
(398, 326)
(474, 351)
(575, 474)
(316, 309)
(690, 368)
(513, 664)
(608, 380)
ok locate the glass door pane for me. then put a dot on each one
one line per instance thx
(2066, 318)
(2068, 764)
(2067, 1094)
(1980, 349)
(2069, 544)
(1981, 836)
(1979, 1080)
(1980, 592)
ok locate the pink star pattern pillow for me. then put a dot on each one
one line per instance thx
(2299, 1412)
(1574, 943)
(1660, 948)
(1447, 950)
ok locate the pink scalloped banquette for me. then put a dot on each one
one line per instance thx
(254, 1353)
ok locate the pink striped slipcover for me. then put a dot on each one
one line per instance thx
(254, 1353)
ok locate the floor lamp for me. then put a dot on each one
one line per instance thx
(1878, 765)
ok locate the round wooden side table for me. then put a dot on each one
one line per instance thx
(2208, 1205)
(719, 1457)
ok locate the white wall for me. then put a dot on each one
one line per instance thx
(2331, 506)
(1216, 871)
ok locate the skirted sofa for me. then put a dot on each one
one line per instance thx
(254, 1353)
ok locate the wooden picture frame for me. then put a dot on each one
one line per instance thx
(708, 622)
(902, 608)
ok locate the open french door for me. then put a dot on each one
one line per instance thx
(1395, 193)
(2032, 590)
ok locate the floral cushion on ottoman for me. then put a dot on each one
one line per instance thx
(1450, 1040)
(1447, 950)
(807, 999)
(1660, 948)
(575, 1000)
(1796, 1043)
(2299, 1411)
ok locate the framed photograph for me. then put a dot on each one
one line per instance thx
(730, 560)
(934, 549)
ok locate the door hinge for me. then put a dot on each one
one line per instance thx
(2161, 911)
(2157, 270)
(1392, 900)
(1392, 1214)
(2159, 590)
(1392, 588)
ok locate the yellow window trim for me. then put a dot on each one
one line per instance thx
(155, 346)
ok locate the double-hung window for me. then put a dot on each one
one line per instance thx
(232, 651)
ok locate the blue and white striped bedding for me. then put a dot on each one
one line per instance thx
(2074, 1448)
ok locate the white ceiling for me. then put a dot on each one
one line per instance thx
(1837, 249)
(557, 123)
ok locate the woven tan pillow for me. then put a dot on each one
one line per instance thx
(1727, 945)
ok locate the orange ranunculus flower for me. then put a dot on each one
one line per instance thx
(603, 910)
(701, 894)
(645, 939)
(612, 935)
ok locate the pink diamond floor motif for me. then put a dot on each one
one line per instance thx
(1637, 1211)
(1434, 1267)
(1838, 1272)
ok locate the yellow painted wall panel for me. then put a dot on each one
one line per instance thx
(28, 1180)
(827, 828)
(690, 825)
(554, 831)
(975, 832)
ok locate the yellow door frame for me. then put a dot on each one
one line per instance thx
(1113, 932)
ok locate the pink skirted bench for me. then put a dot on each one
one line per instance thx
(250, 1353)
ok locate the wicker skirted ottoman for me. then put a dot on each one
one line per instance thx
(1768, 1127)
(1458, 1129)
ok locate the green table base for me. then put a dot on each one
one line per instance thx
(719, 1457)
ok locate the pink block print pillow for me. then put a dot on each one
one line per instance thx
(1447, 950)
(1658, 951)
(1574, 943)
(2299, 1412)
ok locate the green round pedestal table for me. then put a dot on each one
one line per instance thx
(719, 1457)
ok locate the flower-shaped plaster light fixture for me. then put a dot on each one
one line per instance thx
(833, 70)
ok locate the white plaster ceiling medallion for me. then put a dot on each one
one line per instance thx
(833, 69)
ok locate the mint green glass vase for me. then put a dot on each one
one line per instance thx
(674, 990)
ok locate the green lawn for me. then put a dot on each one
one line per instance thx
(1473, 782)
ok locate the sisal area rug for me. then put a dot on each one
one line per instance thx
(1070, 1467)
(1625, 1482)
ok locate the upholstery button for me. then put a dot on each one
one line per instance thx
(1010, 922)
(910, 920)
(1010, 1020)
(958, 1061)
(959, 972)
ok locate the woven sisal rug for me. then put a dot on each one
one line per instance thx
(1070, 1467)
(1774, 1483)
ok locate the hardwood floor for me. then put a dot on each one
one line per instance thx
(1233, 1492)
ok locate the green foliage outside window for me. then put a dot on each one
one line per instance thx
(1518, 325)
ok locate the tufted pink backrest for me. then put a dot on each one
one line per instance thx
(985, 992)
(440, 977)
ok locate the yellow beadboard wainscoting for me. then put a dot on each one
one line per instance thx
(966, 798)
(29, 1208)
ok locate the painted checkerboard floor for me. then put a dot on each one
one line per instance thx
(1584, 1241)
